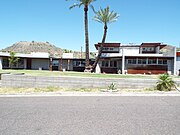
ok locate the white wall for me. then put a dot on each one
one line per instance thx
(40, 63)
(130, 51)
(0, 63)
(177, 65)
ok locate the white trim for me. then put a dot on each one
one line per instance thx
(30, 55)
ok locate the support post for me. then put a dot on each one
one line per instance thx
(1, 63)
(123, 61)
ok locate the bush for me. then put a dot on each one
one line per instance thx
(165, 83)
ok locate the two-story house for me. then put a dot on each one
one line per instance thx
(147, 58)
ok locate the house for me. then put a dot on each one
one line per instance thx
(147, 58)
(44, 61)
(178, 63)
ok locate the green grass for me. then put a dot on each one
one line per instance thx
(76, 74)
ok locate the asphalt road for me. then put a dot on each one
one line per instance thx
(90, 116)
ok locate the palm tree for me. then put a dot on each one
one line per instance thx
(86, 4)
(13, 60)
(106, 17)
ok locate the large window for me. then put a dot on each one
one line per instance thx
(152, 61)
(109, 63)
(5, 63)
(131, 61)
(20, 63)
(162, 62)
(141, 61)
(79, 64)
(105, 63)
(55, 62)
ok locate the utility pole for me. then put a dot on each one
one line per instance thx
(81, 52)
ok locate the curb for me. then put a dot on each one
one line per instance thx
(66, 94)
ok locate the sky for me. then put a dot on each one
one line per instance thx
(52, 21)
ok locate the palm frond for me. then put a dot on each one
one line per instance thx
(81, 2)
(105, 16)
(74, 5)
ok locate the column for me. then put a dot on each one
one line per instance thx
(123, 61)
(1, 63)
(25, 63)
(174, 73)
(98, 69)
(50, 64)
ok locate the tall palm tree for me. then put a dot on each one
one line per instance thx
(106, 17)
(86, 4)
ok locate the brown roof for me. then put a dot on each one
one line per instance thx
(108, 45)
(152, 44)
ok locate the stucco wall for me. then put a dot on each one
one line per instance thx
(177, 65)
(40, 63)
(129, 51)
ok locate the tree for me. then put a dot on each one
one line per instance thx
(165, 83)
(86, 4)
(12, 59)
(106, 17)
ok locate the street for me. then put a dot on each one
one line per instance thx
(121, 115)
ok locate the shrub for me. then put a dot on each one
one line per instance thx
(112, 86)
(165, 83)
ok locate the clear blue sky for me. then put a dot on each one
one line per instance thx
(52, 21)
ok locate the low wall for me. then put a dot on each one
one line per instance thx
(74, 82)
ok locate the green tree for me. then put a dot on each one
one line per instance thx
(106, 17)
(86, 4)
(165, 83)
(12, 59)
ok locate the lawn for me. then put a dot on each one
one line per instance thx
(76, 74)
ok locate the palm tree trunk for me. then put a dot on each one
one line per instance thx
(86, 36)
(100, 49)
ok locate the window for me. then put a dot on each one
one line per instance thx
(152, 61)
(105, 63)
(5, 62)
(55, 62)
(105, 48)
(165, 62)
(148, 49)
(109, 49)
(113, 63)
(20, 63)
(141, 61)
(109, 63)
(162, 62)
(131, 61)
(79, 64)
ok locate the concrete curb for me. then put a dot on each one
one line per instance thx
(64, 94)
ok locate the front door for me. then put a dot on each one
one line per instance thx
(29, 63)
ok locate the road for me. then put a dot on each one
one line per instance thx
(90, 115)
